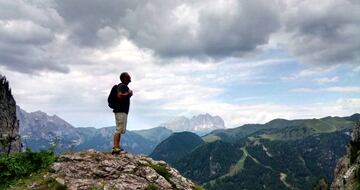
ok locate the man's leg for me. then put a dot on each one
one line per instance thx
(120, 119)
(125, 123)
(117, 138)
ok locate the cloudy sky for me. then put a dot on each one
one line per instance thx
(246, 61)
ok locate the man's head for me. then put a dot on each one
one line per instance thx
(125, 78)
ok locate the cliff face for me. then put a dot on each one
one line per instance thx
(347, 171)
(9, 125)
(97, 170)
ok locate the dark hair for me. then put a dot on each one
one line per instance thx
(123, 75)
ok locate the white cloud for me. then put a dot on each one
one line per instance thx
(311, 73)
(325, 80)
(64, 56)
(344, 89)
(337, 89)
(24, 32)
(217, 29)
(357, 69)
(236, 115)
(302, 90)
(198, 28)
(160, 91)
(323, 32)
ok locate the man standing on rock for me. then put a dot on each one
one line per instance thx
(119, 101)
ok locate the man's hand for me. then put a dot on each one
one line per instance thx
(126, 94)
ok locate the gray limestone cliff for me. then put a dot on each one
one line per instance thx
(347, 171)
(9, 125)
(93, 170)
(201, 124)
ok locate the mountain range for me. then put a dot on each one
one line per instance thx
(40, 131)
(281, 154)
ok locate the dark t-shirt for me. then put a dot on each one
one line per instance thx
(123, 103)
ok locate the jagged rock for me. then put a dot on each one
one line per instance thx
(347, 169)
(92, 169)
(355, 135)
(9, 125)
(201, 124)
(321, 184)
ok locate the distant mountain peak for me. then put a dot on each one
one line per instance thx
(200, 124)
(39, 125)
(41, 113)
(202, 115)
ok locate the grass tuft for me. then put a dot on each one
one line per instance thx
(198, 187)
(161, 170)
(152, 187)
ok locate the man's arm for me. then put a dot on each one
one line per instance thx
(126, 94)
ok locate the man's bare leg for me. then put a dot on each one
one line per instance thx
(117, 138)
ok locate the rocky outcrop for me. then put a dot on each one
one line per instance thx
(9, 125)
(94, 170)
(347, 171)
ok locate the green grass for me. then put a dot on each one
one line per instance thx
(320, 126)
(271, 137)
(198, 187)
(152, 187)
(234, 169)
(97, 188)
(210, 138)
(161, 170)
(238, 166)
(37, 181)
(339, 123)
(20, 165)
(253, 138)
(312, 126)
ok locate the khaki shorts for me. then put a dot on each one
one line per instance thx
(121, 120)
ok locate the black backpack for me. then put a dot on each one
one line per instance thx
(112, 98)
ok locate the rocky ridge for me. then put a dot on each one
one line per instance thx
(348, 167)
(9, 125)
(92, 169)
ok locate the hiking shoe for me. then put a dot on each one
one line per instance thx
(116, 150)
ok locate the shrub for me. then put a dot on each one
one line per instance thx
(37, 181)
(51, 183)
(151, 187)
(321, 184)
(161, 170)
(354, 149)
(198, 187)
(18, 165)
